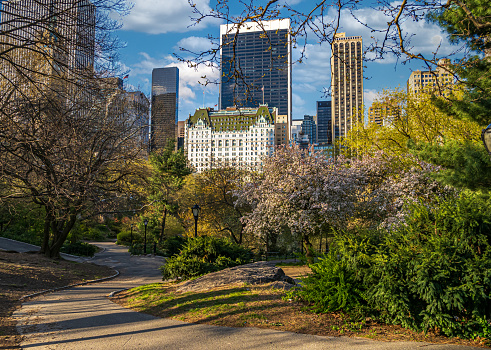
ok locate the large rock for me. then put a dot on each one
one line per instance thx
(255, 273)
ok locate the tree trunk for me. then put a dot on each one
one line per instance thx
(45, 243)
(60, 230)
(162, 229)
(308, 250)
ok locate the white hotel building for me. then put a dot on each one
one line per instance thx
(235, 136)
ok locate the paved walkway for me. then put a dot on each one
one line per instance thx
(21, 247)
(83, 318)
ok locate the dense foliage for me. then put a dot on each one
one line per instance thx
(202, 255)
(79, 248)
(168, 170)
(432, 273)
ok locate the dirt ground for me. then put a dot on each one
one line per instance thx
(263, 307)
(296, 272)
(22, 274)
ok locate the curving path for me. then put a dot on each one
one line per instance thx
(83, 318)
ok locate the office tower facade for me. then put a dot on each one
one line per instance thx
(309, 128)
(383, 113)
(138, 109)
(181, 128)
(261, 54)
(346, 84)
(324, 123)
(235, 136)
(440, 80)
(165, 106)
(132, 107)
(63, 30)
(281, 130)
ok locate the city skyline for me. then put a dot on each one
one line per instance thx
(155, 32)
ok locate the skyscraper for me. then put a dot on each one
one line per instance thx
(63, 30)
(165, 105)
(346, 83)
(261, 54)
(309, 128)
(324, 122)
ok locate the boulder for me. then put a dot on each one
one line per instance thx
(256, 273)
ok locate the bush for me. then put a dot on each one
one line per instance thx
(79, 248)
(172, 245)
(124, 238)
(332, 286)
(433, 273)
(202, 255)
(23, 222)
(137, 248)
(97, 232)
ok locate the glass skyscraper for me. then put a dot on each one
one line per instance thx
(309, 128)
(257, 67)
(324, 122)
(165, 105)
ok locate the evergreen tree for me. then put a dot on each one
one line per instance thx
(467, 164)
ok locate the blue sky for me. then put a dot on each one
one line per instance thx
(155, 29)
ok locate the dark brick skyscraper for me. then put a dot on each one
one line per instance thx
(165, 104)
(346, 84)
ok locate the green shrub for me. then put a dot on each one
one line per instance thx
(172, 245)
(332, 286)
(186, 267)
(79, 248)
(23, 222)
(137, 248)
(435, 271)
(124, 238)
(203, 255)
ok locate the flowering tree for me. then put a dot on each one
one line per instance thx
(306, 193)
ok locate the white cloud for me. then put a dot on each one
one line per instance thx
(192, 80)
(289, 2)
(425, 37)
(195, 44)
(297, 100)
(315, 67)
(369, 96)
(158, 17)
(422, 36)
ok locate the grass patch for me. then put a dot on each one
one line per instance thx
(262, 307)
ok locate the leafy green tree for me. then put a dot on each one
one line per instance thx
(168, 170)
(213, 190)
(419, 120)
